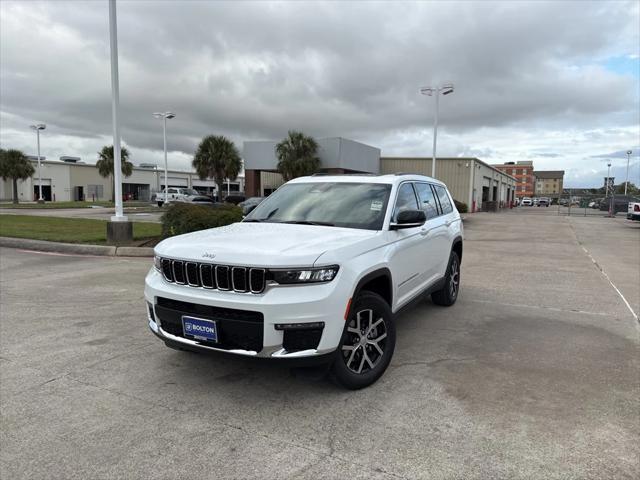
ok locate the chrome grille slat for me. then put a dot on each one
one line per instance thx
(257, 278)
(222, 277)
(210, 276)
(206, 276)
(192, 273)
(239, 279)
(178, 272)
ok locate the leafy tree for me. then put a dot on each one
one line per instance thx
(217, 157)
(631, 189)
(297, 155)
(14, 165)
(105, 165)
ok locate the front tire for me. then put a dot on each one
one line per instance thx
(448, 295)
(367, 343)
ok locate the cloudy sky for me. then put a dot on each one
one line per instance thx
(553, 82)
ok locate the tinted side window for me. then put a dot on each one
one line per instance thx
(406, 200)
(445, 203)
(427, 200)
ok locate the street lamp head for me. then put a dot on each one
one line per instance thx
(38, 126)
(608, 164)
(157, 115)
(427, 91)
(447, 89)
(629, 152)
(170, 115)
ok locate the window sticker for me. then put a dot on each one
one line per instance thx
(376, 205)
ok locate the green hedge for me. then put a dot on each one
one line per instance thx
(462, 207)
(184, 217)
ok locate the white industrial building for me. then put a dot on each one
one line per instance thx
(70, 179)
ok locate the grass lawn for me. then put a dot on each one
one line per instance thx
(68, 230)
(71, 204)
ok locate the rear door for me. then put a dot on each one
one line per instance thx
(448, 226)
(431, 233)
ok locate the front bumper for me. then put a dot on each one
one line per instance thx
(279, 305)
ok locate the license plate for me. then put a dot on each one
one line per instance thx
(200, 329)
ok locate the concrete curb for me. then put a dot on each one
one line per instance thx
(76, 249)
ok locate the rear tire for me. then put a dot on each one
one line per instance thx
(367, 343)
(448, 295)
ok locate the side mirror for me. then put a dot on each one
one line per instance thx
(409, 219)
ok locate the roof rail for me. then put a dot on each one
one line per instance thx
(397, 174)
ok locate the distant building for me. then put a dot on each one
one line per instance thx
(523, 173)
(548, 183)
(470, 180)
(71, 179)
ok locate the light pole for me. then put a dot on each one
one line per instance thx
(608, 178)
(37, 127)
(164, 116)
(119, 229)
(629, 152)
(445, 89)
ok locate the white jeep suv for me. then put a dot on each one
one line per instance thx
(315, 273)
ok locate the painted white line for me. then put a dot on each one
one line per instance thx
(635, 315)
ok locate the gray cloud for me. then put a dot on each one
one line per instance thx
(254, 70)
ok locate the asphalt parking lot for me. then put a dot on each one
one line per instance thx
(534, 373)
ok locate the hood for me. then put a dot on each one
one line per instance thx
(261, 244)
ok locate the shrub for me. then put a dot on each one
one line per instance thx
(462, 207)
(185, 217)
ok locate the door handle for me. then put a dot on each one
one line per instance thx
(424, 231)
(448, 224)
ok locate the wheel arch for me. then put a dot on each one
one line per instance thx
(378, 281)
(457, 247)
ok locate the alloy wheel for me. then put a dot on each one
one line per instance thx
(454, 278)
(365, 342)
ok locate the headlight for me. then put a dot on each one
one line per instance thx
(304, 275)
(157, 263)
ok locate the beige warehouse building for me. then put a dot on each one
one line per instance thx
(470, 180)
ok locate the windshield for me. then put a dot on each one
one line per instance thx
(350, 205)
(190, 191)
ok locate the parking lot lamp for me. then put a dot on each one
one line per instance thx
(606, 192)
(445, 89)
(37, 127)
(164, 116)
(629, 152)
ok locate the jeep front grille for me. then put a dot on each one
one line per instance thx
(220, 277)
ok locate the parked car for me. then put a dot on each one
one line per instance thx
(543, 202)
(313, 284)
(621, 203)
(177, 194)
(235, 198)
(250, 203)
(526, 202)
(633, 211)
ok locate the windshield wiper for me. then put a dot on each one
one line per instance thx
(247, 220)
(307, 222)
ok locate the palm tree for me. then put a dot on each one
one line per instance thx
(297, 156)
(105, 165)
(14, 165)
(217, 157)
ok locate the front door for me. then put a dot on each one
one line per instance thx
(406, 261)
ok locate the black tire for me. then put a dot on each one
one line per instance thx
(361, 360)
(160, 204)
(448, 295)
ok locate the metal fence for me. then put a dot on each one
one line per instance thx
(583, 205)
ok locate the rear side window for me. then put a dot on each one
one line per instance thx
(427, 200)
(406, 200)
(445, 203)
